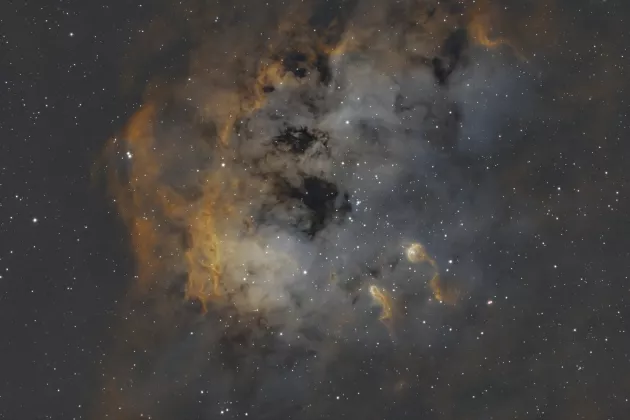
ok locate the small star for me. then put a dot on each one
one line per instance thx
(71, 34)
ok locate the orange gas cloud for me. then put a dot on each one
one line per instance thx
(480, 31)
(129, 194)
(442, 292)
(148, 206)
(416, 253)
(383, 300)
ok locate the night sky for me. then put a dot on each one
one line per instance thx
(318, 209)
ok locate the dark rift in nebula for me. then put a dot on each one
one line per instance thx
(287, 192)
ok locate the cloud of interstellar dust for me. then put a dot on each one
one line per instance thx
(269, 187)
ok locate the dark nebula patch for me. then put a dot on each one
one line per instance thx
(455, 45)
(452, 54)
(298, 140)
(208, 131)
(177, 288)
(296, 62)
(322, 64)
(318, 197)
(440, 70)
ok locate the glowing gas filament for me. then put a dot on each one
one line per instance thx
(416, 253)
(383, 300)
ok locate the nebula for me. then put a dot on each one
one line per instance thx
(309, 162)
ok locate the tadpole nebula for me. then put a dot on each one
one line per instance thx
(320, 200)
(367, 209)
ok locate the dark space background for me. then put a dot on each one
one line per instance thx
(553, 345)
